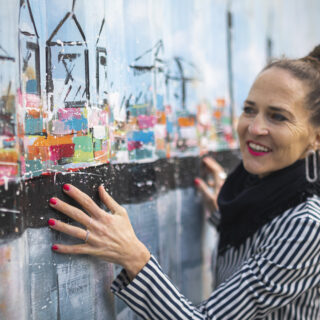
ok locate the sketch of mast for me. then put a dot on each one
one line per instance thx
(67, 60)
(101, 67)
(157, 66)
(9, 149)
(6, 95)
(230, 66)
(181, 76)
(29, 51)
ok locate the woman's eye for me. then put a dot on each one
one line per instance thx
(278, 117)
(248, 110)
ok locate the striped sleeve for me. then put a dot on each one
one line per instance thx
(215, 218)
(284, 266)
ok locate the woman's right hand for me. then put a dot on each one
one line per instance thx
(211, 189)
(109, 236)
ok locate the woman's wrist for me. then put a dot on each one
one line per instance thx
(137, 261)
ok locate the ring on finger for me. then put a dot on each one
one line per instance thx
(87, 236)
(222, 175)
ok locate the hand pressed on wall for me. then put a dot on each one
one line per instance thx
(110, 237)
(210, 189)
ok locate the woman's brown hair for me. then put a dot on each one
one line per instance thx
(306, 69)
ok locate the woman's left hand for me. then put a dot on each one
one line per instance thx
(211, 189)
(108, 236)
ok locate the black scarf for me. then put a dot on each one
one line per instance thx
(247, 202)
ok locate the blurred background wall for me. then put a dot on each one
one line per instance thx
(129, 93)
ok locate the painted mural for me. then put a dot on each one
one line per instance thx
(62, 110)
(112, 92)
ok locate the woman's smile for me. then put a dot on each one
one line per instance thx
(257, 149)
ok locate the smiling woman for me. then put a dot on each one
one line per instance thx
(267, 212)
(275, 128)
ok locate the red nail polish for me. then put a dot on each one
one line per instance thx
(54, 247)
(53, 201)
(66, 187)
(196, 181)
(51, 222)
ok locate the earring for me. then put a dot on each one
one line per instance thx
(314, 177)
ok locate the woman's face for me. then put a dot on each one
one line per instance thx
(274, 128)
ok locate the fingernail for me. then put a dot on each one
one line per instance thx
(51, 222)
(196, 181)
(54, 247)
(53, 201)
(66, 187)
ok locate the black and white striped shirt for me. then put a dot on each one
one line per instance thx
(275, 274)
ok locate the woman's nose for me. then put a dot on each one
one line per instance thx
(258, 126)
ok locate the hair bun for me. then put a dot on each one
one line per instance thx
(315, 53)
